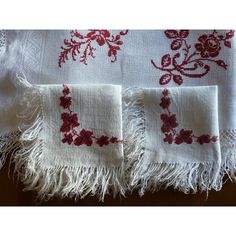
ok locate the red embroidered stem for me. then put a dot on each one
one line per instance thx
(70, 122)
(99, 37)
(170, 124)
(207, 47)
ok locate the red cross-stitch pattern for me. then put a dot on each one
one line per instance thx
(170, 124)
(70, 122)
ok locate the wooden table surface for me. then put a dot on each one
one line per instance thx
(11, 194)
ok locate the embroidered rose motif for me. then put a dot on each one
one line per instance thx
(189, 63)
(70, 122)
(89, 42)
(209, 46)
(170, 124)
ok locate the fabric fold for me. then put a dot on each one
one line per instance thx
(179, 133)
(70, 141)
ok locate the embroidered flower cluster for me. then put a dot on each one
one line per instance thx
(191, 63)
(89, 41)
(170, 124)
(70, 122)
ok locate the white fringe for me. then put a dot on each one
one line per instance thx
(228, 153)
(133, 129)
(9, 144)
(186, 177)
(64, 181)
(59, 181)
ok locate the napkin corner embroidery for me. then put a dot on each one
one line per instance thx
(149, 175)
(27, 152)
(70, 122)
(170, 124)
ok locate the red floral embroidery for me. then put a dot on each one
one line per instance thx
(88, 41)
(170, 124)
(193, 64)
(70, 122)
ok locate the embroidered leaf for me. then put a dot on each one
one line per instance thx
(119, 42)
(200, 63)
(124, 32)
(176, 44)
(165, 79)
(220, 37)
(183, 33)
(171, 34)
(178, 79)
(222, 64)
(166, 60)
(230, 34)
(100, 41)
(227, 44)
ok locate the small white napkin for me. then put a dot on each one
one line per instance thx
(71, 141)
(173, 137)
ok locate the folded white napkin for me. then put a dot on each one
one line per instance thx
(173, 137)
(71, 141)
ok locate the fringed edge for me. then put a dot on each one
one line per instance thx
(9, 144)
(58, 181)
(228, 154)
(71, 182)
(186, 177)
(133, 130)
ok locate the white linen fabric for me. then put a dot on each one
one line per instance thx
(36, 54)
(71, 141)
(179, 142)
(142, 58)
